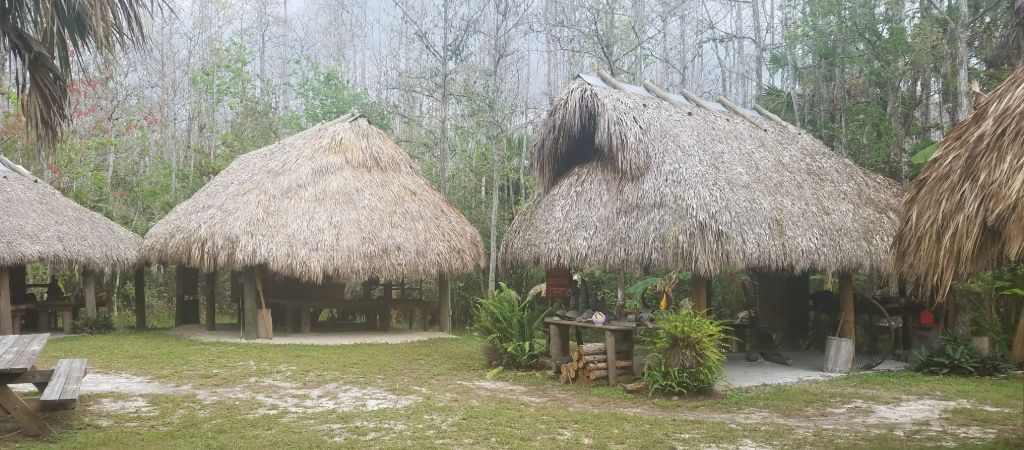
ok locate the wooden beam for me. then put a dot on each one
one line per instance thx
(694, 99)
(90, 292)
(739, 112)
(610, 80)
(6, 320)
(699, 293)
(656, 91)
(764, 112)
(210, 294)
(252, 305)
(846, 329)
(140, 298)
(444, 301)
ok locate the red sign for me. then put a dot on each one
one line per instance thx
(558, 283)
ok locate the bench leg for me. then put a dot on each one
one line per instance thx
(23, 413)
(68, 319)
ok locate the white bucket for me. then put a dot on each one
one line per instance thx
(838, 355)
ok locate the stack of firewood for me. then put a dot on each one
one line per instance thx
(589, 363)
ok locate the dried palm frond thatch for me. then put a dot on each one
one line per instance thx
(340, 201)
(629, 181)
(965, 212)
(40, 224)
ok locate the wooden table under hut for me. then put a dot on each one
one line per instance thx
(610, 360)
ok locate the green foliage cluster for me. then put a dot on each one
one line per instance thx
(955, 355)
(512, 327)
(688, 353)
(101, 324)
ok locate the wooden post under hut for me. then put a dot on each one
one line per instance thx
(210, 293)
(444, 304)
(846, 305)
(699, 292)
(6, 321)
(251, 303)
(140, 298)
(90, 292)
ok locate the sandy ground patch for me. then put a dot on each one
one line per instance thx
(230, 333)
(806, 366)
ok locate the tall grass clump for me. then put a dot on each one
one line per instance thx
(512, 327)
(688, 353)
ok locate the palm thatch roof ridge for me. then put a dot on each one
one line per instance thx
(339, 201)
(964, 213)
(39, 224)
(633, 181)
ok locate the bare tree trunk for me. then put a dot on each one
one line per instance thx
(958, 30)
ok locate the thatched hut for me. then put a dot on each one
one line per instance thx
(633, 177)
(340, 202)
(964, 213)
(39, 224)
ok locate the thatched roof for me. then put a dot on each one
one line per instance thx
(339, 201)
(38, 224)
(964, 213)
(630, 181)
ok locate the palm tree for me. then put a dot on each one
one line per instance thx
(40, 37)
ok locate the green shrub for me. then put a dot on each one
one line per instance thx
(955, 355)
(688, 352)
(101, 324)
(511, 327)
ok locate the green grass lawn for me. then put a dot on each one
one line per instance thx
(436, 394)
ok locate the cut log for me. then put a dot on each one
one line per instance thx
(597, 374)
(604, 365)
(598, 348)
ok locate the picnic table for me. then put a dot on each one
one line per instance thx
(60, 386)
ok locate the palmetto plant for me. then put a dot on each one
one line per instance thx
(40, 38)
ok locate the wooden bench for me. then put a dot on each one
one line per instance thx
(65, 384)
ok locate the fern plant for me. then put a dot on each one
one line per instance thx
(511, 326)
(688, 353)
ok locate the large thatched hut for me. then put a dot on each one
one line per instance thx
(39, 224)
(634, 178)
(965, 212)
(340, 202)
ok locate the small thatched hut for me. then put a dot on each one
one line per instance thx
(38, 224)
(340, 202)
(633, 177)
(965, 212)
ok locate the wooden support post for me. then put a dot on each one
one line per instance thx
(90, 293)
(6, 320)
(609, 344)
(252, 305)
(305, 321)
(699, 292)
(444, 304)
(140, 298)
(236, 294)
(67, 320)
(210, 292)
(846, 306)
(1017, 351)
(179, 296)
(291, 319)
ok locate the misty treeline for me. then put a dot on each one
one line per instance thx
(462, 84)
